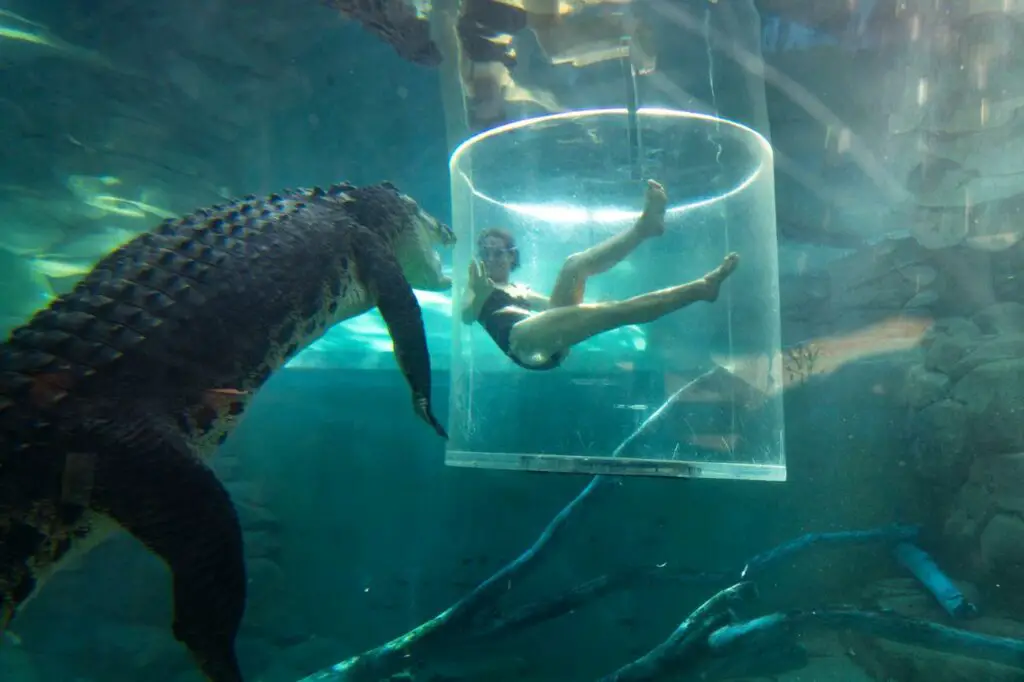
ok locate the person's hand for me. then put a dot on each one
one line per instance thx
(479, 283)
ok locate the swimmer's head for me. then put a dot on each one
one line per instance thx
(497, 250)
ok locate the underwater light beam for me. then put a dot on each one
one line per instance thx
(888, 184)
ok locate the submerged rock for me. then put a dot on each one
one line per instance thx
(924, 299)
(945, 351)
(959, 327)
(1001, 318)
(1007, 347)
(939, 439)
(986, 523)
(271, 610)
(262, 544)
(254, 517)
(1002, 544)
(967, 398)
(993, 395)
(924, 387)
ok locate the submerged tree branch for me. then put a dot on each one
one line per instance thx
(544, 610)
(710, 646)
(462, 621)
(397, 655)
(689, 639)
(415, 647)
(737, 647)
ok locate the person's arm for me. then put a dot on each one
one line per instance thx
(470, 309)
(478, 288)
(536, 301)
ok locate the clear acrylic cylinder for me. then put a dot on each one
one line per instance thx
(659, 399)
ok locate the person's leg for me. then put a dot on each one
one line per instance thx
(556, 329)
(572, 279)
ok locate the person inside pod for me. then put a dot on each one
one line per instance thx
(537, 332)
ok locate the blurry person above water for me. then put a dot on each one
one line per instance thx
(479, 42)
(535, 331)
(579, 33)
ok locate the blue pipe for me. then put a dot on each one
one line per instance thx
(924, 568)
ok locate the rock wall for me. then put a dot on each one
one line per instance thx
(896, 277)
(965, 403)
(957, 128)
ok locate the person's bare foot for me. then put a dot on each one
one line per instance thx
(713, 280)
(652, 220)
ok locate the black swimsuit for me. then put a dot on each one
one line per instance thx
(502, 311)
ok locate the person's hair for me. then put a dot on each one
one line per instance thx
(505, 236)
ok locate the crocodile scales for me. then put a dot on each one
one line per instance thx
(113, 397)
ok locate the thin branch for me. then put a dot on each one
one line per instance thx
(893, 533)
(758, 637)
(689, 639)
(409, 650)
(763, 645)
(544, 610)
(551, 608)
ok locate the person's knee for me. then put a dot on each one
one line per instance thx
(519, 337)
(574, 266)
(529, 337)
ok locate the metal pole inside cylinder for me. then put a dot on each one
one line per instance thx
(632, 120)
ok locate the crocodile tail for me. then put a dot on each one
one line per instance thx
(6, 615)
(382, 276)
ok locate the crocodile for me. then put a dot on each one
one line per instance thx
(113, 399)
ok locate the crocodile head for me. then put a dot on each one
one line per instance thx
(414, 234)
(417, 251)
